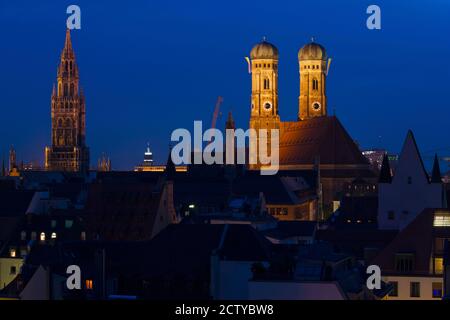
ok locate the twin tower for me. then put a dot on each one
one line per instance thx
(312, 102)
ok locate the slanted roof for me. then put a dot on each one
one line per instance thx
(417, 238)
(410, 162)
(15, 202)
(289, 229)
(303, 141)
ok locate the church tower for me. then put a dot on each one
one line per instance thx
(264, 100)
(68, 151)
(312, 59)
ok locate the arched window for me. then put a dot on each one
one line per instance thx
(60, 123)
(68, 123)
(266, 84)
(66, 89)
(42, 237)
(71, 89)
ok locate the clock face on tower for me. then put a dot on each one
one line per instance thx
(316, 106)
(267, 106)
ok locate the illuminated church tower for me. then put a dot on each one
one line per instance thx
(264, 100)
(312, 59)
(68, 151)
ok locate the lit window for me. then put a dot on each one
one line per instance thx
(438, 265)
(441, 220)
(89, 284)
(42, 237)
(12, 253)
(53, 235)
(437, 289)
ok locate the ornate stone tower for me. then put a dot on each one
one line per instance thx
(68, 151)
(264, 101)
(312, 59)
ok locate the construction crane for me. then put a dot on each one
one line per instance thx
(216, 112)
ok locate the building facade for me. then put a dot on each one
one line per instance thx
(68, 151)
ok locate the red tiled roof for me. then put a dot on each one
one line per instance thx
(301, 142)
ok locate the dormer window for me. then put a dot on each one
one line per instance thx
(441, 220)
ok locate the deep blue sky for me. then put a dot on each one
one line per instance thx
(148, 67)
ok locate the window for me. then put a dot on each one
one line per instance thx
(438, 265)
(404, 262)
(53, 223)
(13, 270)
(68, 224)
(33, 235)
(53, 235)
(42, 236)
(436, 289)
(414, 291)
(394, 292)
(441, 220)
(266, 84)
(23, 236)
(83, 235)
(439, 244)
(12, 252)
(391, 215)
(315, 84)
(89, 285)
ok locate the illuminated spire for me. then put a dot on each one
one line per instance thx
(68, 50)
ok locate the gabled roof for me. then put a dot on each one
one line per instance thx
(416, 238)
(410, 162)
(303, 141)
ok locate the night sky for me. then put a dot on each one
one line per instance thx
(149, 67)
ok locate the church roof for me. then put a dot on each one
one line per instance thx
(324, 137)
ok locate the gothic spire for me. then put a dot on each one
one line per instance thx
(68, 50)
(385, 172)
(436, 172)
(230, 122)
